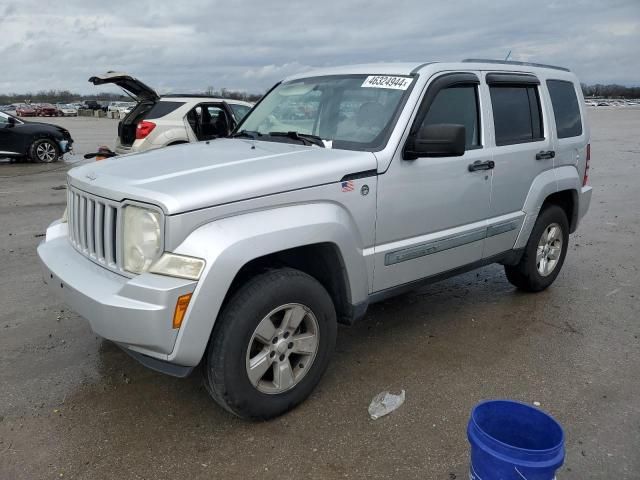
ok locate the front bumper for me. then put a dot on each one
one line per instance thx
(136, 313)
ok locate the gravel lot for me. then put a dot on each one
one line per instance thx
(74, 406)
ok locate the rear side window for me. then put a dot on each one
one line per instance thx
(162, 108)
(516, 114)
(565, 108)
(457, 105)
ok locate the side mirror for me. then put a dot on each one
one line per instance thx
(11, 122)
(439, 140)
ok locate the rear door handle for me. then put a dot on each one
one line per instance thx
(479, 165)
(545, 155)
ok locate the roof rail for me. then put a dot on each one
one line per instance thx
(194, 95)
(513, 62)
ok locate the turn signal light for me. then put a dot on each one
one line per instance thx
(181, 309)
(143, 129)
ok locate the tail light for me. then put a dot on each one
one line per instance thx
(143, 129)
(585, 179)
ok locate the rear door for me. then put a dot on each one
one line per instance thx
(207, 121)
(522, 150)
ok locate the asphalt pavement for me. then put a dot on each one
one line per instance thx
(75, 406)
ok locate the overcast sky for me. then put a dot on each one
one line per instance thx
(188, 45)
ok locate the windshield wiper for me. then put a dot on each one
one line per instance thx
(305, 138)
(246, 134)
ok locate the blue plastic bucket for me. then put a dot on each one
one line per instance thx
(513, 440)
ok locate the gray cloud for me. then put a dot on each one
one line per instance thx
(250, 45)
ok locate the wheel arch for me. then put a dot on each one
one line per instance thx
(323, 261)
(557, 186)
(568, 201)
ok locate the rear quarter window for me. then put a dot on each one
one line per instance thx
(566, 109)
(239, 111)
(162, 108)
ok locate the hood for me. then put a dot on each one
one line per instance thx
(41, 126)
(199, 175)
(135, 87)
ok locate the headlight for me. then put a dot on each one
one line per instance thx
(142, 238)
(179, 266)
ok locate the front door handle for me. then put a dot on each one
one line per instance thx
(479, 165)
(545, 155)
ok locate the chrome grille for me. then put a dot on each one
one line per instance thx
(94, 227)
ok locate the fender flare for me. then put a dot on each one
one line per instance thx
(545, 184)
(230, 243)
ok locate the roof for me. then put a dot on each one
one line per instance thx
(409, 68)
(185, 97)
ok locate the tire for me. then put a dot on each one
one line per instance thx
(44, 150)
(535, 273)
(236, 343)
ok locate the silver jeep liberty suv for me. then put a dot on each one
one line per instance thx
(340, 188)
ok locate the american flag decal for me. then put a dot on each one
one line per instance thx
(347, 186)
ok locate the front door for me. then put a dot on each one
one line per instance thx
(10, 142)
(432, 211)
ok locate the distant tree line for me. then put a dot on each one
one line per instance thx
(65, 96)
(233, 94)
(57, 96)
(610, 91)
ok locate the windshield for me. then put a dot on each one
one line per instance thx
(353, 112)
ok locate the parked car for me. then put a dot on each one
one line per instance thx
(243, 253)
(91, 105)
(46, 110)
(159, 121)
(67, 110)
(36, 141)
(24, 110)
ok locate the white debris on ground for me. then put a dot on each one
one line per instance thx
(385, 403)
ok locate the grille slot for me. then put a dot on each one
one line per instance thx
(93, 227)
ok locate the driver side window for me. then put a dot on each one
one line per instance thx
(4, 121)
(457, 105)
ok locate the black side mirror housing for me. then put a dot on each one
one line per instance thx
(439, 140)
(11, 122)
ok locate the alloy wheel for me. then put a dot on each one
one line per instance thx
(282, 348)
(549, 249)
(46, 152)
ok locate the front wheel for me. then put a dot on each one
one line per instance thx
(44, 151)
(271, 344)
(544, 254)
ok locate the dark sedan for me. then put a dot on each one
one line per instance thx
(36, 141)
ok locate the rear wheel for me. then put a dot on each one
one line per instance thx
(271, 344)
(544, 254)
(44, 151)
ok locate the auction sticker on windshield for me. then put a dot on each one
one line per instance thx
(386, 81)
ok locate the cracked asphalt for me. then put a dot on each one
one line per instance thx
(74, 406)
